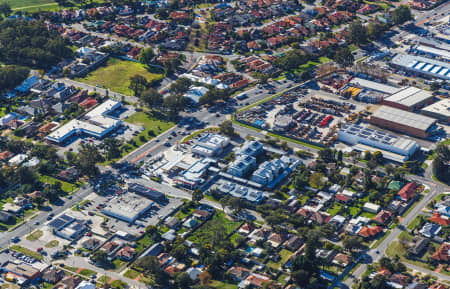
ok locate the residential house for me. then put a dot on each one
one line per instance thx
(407, 192)
(70, 282)
(398, 280)
(443, 253)
(91, 244)
(430, 230)
(440, 219)
(293, 243)
(418, 244)
(383, 217)
(238, 273)
(342, 260)
(370, 231)
(126, 253)
(255, 280)
(276, 239)
(53, 275)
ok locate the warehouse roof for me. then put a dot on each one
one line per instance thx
(425, 65)
(410, 96)
(427, 49)
(372, 85)
(441, 107)
(404, 117)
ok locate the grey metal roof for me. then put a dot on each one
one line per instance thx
(404, 117)
(441, 108)
(410, 96)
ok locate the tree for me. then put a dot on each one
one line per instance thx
(138, 84)
(52, 191)
(112, 148)
(5, 9)
(352, 242)
(87, 159)
(226, 128)
(182, 280)
(441, 163)
(204, 278)
(197, 196)
(152, 98)
(100, 257)
(316, 180)
(327, 155)
(402, 14)
(357, 33)
(11, 76)
(174, 103)
(180, 86)
(146, 56)
(344, 57)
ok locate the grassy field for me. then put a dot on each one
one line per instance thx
(20, 4)
(27, 252)
(115, 75)
(285, 255)
(204, 234)
(66, 187)
(151, 123)
(35, 235)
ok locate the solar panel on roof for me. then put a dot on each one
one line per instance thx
(57, 223)
(428, 67)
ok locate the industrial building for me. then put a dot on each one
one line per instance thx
(96, 123)
(439, 110)
(403, 121)
(127, 207)
(422, 66)
(393, 148)
(410, 99)
(210, 145)
(434, 52)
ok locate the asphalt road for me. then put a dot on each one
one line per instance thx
(373, 256)
(29, 226)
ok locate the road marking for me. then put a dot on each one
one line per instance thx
(145, 153)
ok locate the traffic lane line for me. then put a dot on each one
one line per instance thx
(145, 153)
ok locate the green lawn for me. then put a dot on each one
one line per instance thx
(335, 209)
(143, 243)
(104, 279)
(115, 75)
(66, 187)
(197, 132)
(52, 244)
(27, 252)
(35, 235)
(118, 284)
(150, 123)
(20, 4)
(204, 234)
(221, 285)
(285, 254)
(87, 272)
(132, 274)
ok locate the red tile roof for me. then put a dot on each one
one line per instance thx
(443, 253)
(407, 192)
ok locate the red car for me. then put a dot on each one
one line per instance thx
(39, 249)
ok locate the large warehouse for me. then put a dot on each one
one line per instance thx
(410, 99)
(422, 66)
(363, 138)
(403, 121)
(439, 110)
